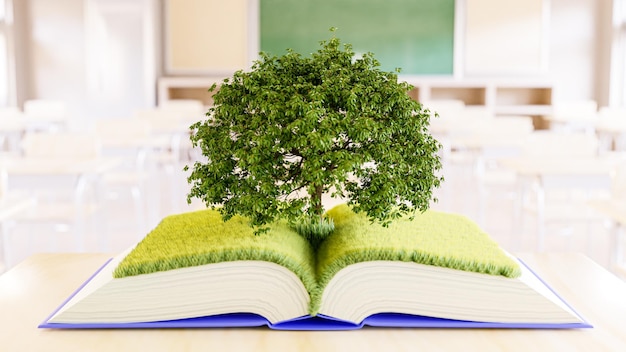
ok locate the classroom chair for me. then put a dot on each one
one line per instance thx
(611, 129)
(131, 140)
(562, 197)
(501, 137)
(45, 114)
(574, 116)
(56, 169)
(11, 128)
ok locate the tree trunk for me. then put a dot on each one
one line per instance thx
(316, 200)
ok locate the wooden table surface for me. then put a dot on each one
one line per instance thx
(40, 166)
(32, 290)
(550, 166)
(615, 209)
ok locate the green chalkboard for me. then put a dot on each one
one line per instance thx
(414, 35)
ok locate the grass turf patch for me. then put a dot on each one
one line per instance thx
(432, 238)
(201, 237)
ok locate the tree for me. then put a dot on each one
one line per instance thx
(325, 123)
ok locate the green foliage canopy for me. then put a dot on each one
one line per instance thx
(293, 128)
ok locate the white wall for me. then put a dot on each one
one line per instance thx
(120, 56)
(505, 37)
(577, 34)
(56, 51)
(579, 50)
(53, 59)
(61, 57)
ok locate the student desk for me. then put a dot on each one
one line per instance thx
(40, 166)
(10, 204)
(33, 289)
(31, 175)
(611, 132)
(542, 174)
(615, 210)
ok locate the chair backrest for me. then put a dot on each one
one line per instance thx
(446, 108)
(10, 119)
(11, 111)
(61, 145)
(122, 128)
(45, 108)
(554, 144)
(573, 110)
(618, 182)
(506, 126)
(611, 118)
(189, 110)
(159, 114)
(188, 106)
(163, 121)
(477, 112)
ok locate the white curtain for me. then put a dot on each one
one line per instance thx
(6, 58)
(617, 95)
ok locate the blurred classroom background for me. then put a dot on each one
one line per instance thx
(97, 96)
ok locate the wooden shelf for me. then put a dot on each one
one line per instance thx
(186, 88)
(523, 96)
(502, 96)
(415, 93)
(471, 95)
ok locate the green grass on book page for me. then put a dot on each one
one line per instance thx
(201, 237)
(434, 238)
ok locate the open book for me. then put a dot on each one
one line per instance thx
(193, 270)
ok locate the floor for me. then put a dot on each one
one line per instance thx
(115, 228)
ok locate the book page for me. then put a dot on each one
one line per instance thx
(367, 288)
(258, 287)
